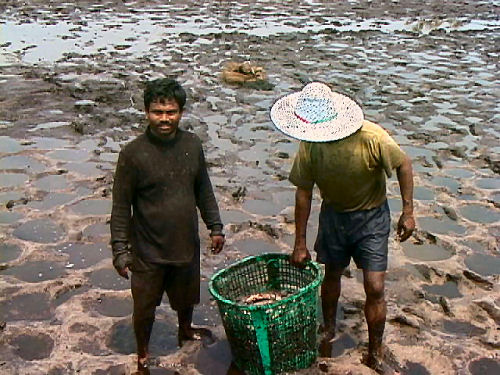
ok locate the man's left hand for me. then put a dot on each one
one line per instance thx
(406, 226)
(217, 244)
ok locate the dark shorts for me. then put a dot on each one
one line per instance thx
(362, 235)
(149, 281)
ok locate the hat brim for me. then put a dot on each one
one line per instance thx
(349, 119)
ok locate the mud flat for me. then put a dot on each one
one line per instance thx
(71, 91)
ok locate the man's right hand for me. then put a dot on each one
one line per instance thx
(121, 262)
(300, 255)
(123, 272)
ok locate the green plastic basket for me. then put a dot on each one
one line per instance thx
(276, 337)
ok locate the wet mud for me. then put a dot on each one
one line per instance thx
(72, 75)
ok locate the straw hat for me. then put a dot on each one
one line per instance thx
(317, 114)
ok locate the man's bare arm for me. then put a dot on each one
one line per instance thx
(406, 223)
(303, 199)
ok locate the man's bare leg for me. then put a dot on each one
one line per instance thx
(375, 313)
(142, 329)
(186, 330)
(330, 293)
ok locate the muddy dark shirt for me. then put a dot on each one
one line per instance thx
(163, 182)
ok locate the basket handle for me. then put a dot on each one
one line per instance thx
(273, 272)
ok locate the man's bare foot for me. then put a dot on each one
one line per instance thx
(195, 334)
(384, 364)
(143, 365)
(326, 343)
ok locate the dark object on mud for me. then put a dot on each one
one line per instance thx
(269, 335)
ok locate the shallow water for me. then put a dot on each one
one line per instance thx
(41, 231)
(33, 347)
(426, 252)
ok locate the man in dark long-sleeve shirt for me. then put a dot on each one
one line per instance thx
(161, 179)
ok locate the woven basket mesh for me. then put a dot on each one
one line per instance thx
(276, 337)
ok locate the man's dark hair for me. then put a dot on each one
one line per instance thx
(164, 89)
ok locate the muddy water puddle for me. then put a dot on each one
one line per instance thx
(486, 265)
(52, 200)
(252, 246)
(442, 225)
(107, 278)
(40, 230)
(341, 345)
(113, 306)
(9, 217)
(449, 289)
(462, 328)
(485, 366)
(481, 214)
(426, 252)
(214, 359)
(96, 231)
(32, 347)
(34, 272)
(163, 338)
(30, 306)
(9, 252)
(234, 217)
(69, 155)
(488, 183)
(83, 255)
(92, 207)
(12, 180)
(25, 163)
(51, 183)
(261, 207)
(413, 368)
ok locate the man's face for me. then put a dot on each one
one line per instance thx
(164, 117)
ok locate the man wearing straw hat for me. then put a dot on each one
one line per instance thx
(348, 158)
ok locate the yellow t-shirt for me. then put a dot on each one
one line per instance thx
(349, 172)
